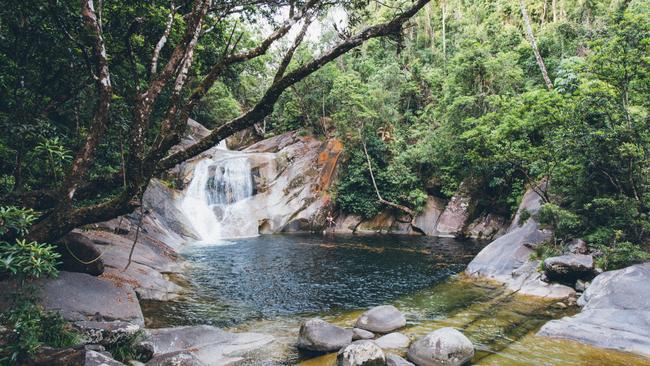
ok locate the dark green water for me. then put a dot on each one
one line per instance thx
(270, 284)
(284, 275)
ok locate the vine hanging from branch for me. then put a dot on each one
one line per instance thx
(407, 210)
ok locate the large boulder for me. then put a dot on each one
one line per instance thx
(79, 296)
(79, 254)
(361, 353)
(209, 345)
(381, 319)
(570, 267)
(507, 259)
(393, 341)
(443, 347)
(321, 336)
(615, 313)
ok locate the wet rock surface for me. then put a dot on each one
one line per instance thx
(443, 347)
(209, 345)
(321, 336)
(615, 313)
(381, 319)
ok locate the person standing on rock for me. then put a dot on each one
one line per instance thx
(330, 222)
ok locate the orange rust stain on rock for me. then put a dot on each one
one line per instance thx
(327, 159)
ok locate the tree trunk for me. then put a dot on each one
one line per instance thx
(533, 44)
(444, 29)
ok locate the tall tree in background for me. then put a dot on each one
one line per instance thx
(533, 44)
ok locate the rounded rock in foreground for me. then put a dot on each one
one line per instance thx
(443, 347)
(361, 353)
(395, 360)
(381, 319)
(358, 334)
(393, 341)
(321, 336)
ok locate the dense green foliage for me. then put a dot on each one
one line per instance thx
(473, 107)
(22, 261)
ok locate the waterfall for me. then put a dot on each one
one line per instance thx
(215, 200)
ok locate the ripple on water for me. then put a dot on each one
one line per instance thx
(269, 284)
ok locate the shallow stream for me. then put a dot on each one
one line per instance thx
(269, 284)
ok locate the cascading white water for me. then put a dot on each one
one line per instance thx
(213, 201)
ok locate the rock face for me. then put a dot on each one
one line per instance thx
(507, 259)
(361, 353)
(427, 221)
(79, 296)
(443, 347)
(291, 176)
(209, 345)
(78, 254)
(487, 226)
(569, 268)
(381, 319)
(321, 336)
(615, 313)
(458, 211)
(393, 341)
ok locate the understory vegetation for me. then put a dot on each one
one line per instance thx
(26, 325)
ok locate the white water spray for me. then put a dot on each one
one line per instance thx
(215, 200)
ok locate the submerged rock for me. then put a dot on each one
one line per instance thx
(443, 347)
(568, 268)
(615, 313)
(358, 334)
(321, 336)
(381, 319)
(361, 353)
(211, 346)
(393, 341)
(395, 360)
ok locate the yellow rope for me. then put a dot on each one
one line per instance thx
(79, 259)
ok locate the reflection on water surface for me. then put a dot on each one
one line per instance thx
(270, 284)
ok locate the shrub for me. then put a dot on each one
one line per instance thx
(620, 255)
(563, 222)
